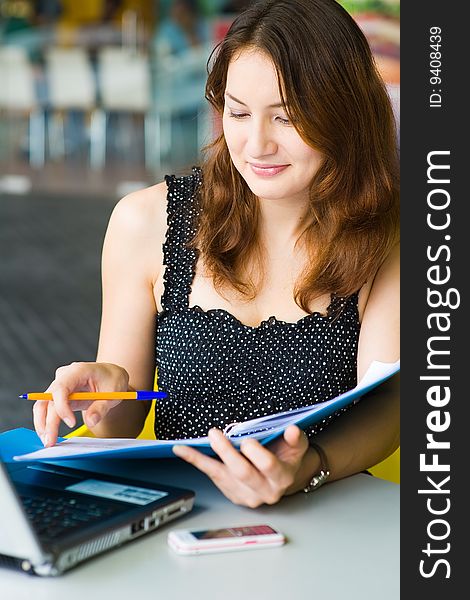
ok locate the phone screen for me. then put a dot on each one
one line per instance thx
(233, 532)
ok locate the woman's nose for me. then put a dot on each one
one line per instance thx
(261, 140)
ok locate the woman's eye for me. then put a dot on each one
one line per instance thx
(243, 115)
(237, 115)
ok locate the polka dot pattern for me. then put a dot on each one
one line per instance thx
(218, 370)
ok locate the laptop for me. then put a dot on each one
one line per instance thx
(52, 517)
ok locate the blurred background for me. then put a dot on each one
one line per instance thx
(98, 98)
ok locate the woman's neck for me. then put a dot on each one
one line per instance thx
(281, 222)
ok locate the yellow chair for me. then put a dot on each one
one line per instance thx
(389, 468)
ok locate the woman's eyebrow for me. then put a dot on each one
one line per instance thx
(278, 105)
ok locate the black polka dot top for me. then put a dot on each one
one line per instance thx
(217, 370)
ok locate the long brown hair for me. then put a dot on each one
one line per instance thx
(339, 105)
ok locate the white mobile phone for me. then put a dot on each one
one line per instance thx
(246, 537)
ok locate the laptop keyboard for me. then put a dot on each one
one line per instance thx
(54, 516)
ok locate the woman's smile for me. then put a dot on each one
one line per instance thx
(267, 170)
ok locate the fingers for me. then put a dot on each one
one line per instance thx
(50, 413)
(251, 477)
(220, 474)
(296, 438)
(236, 463)
(271, 461)
(91, 418)
(263, 459)
(278, 469)
(97, 411)
(39, 417)
(71, 378)
(61, 403)
(52, 427)
(46, 421)
(211, 467)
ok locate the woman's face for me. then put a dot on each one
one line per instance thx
(264, 145)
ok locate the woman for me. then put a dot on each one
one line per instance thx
(269, 277)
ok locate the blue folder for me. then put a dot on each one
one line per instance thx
(22, 441)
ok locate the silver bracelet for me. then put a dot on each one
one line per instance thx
(321, 477)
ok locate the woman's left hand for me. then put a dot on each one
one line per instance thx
(253, 475)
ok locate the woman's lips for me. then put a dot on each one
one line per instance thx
(267, 170)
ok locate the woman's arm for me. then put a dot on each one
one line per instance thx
(131, 262)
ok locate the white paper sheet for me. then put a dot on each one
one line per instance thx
(83, 446)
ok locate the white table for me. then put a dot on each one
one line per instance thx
(343, 543)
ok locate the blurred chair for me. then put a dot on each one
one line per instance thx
(71, 87)
(124, 87)
(18, 98)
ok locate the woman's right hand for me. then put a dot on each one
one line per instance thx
(77, 377)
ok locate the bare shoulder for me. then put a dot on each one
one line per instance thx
(142, 212)
(135, 234)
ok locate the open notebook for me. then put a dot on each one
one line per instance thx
(23, 444)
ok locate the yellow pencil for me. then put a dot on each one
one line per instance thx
(138, 395)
